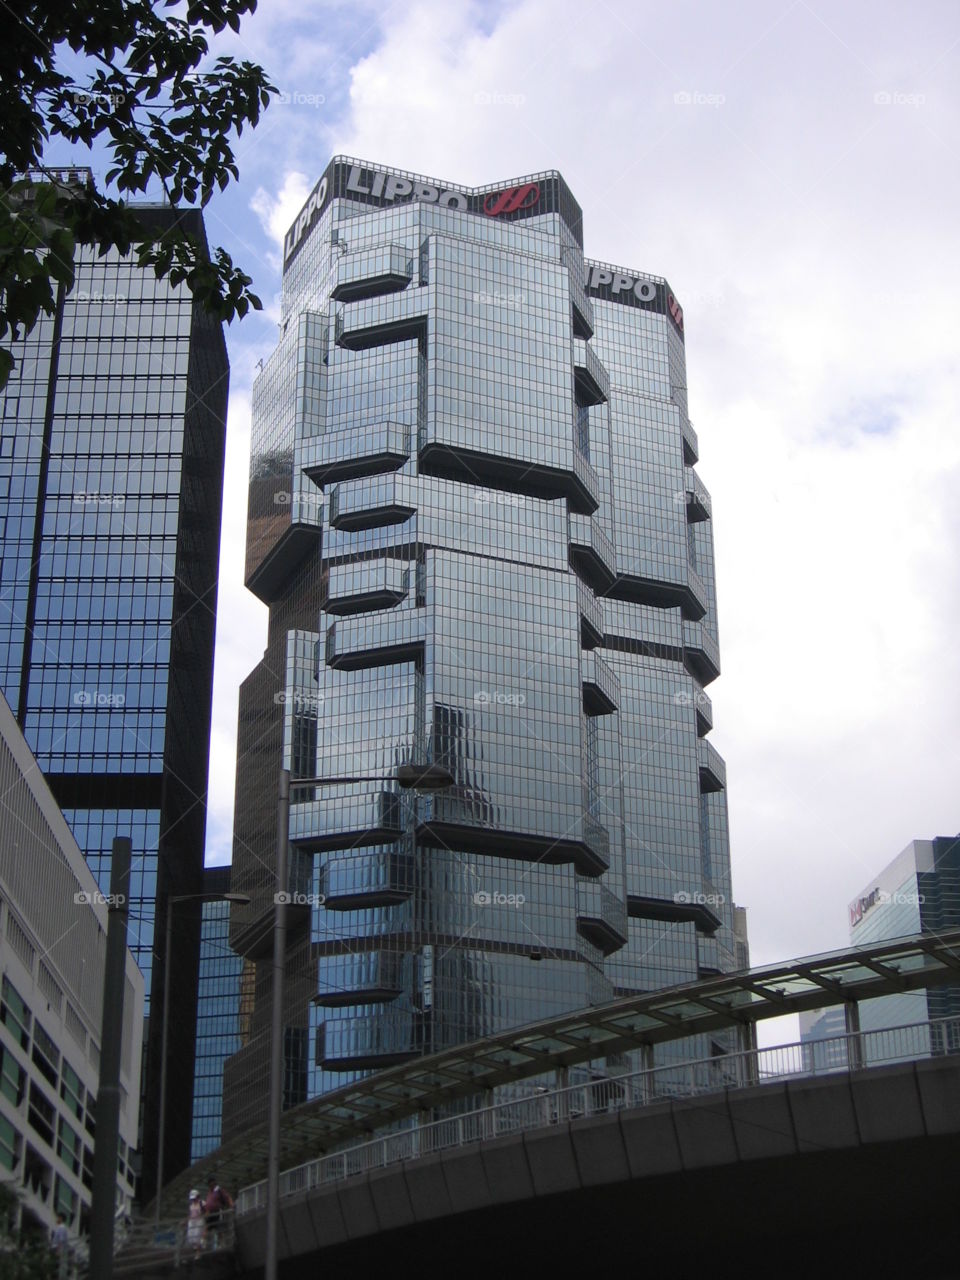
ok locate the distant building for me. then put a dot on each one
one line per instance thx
(741, 943)
(112, 431)
(918, 892)
(218, 1015)
(52, 953)
(818, 1026)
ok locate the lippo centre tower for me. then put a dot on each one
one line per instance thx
(474, 515)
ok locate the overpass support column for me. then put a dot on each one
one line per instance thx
(563, 1099)
(851, 1018)
(747, 1036)
(647, 1083)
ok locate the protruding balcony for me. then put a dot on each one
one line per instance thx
(601, 916)
(385, 269)
(601, 688)
(591, 617)
(364, 977)
(377, 1040)
(699, 506)
(696, 603)
(590, 378)
(344, 815)
(704, 709)
(691, 446)
(374, 640)
(366, 585)
(376, 322)
(701, 654)
(580, 305)
(367, 879)
(347, 455)
(442, 823)
(592, 553)
(579, 485)
(713, 771)
(371, 502)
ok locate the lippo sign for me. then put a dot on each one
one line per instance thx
(633, 291)
(380, 188)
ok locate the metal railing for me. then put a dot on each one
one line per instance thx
(172, 1243)
(542, 1107)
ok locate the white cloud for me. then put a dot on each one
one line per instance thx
(277, 212)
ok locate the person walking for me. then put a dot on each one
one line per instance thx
(195, 1222)
(217, 1202)
(60, 1244)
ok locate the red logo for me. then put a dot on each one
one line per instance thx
(675, 310)
(513, 198)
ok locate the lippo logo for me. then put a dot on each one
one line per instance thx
(511, 200)
(484, 899)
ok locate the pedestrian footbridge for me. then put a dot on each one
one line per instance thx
(528, 1136)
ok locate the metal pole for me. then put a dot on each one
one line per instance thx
(163, 1056)
(103, 1210)
(851, 1018)
(276, 1026)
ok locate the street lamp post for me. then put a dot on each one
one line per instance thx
(240, 898)
(430, 777)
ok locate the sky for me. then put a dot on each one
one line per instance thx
(793, 168)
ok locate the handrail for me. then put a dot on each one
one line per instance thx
(685, 1078)
(171, 1242)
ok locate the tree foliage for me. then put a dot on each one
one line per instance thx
(23, 1255)
(162, 109)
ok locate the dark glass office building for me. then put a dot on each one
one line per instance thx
(475, 516)
(112, 436)
(218, 1014)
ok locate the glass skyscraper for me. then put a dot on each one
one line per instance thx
(112, 432)
(918, 892)
(475, 516)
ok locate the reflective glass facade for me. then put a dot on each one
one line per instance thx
(918, 892)
(475, 517)
(218, 1014)
(111, 471)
